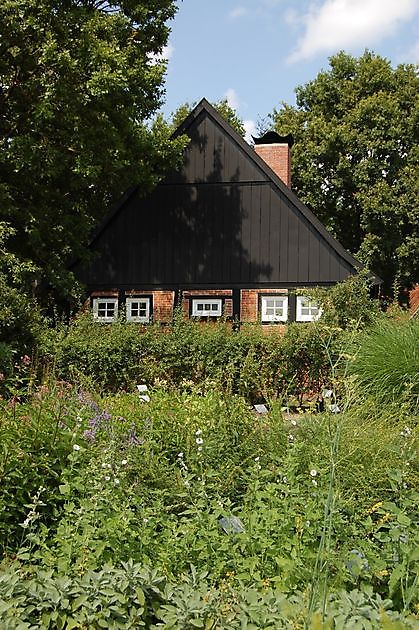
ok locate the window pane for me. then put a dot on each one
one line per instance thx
(199, 307)
(214, 307)
(207, 307)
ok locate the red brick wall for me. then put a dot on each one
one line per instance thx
(225, 293)
(163, 303)
(414, 300)
(249, 303)
(278, 157)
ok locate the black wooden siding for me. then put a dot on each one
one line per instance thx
(219, 222)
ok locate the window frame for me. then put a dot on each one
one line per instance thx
(300, 317)
(97, 301)
(138, 319)
(195, 301)
(273, 319)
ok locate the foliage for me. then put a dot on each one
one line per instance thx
(113, 485)
(78, 81)
(133, 596)
(386, 363)
(355, 159)
(249, 362)
(20, 319)
(223, 108)
(347, 304)
(93, 490)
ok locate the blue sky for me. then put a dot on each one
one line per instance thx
(255, 52)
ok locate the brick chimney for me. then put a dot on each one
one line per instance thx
(275, 150)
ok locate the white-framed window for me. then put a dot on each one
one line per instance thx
(203, 307)
(307, 310)
(274, 308)
(138, 309)
(105, 309)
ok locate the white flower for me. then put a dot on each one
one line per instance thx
(406, 432)
(199, 449)
(314, 482)
(257, 459)
(108, 466)
(284, 479)
(107, 478)
(116, 482)
(294, 423)
(313, 472)
(291, 437)
(103, 465)
(198, 432)
(180, 455)
(76, 447)
(124, 462)
(26, 522)
(145, 520)
(199, 440)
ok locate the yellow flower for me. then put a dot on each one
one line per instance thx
(375, 507)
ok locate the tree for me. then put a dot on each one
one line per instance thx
(223, 108)
(355, 159)
(79, 79)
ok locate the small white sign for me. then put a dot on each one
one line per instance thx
(142, 388)
(145, 398)
(261, 409)
(334, 408)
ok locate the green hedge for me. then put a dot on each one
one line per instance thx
(250, 362)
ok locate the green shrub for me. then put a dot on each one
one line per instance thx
(250, 363)
(133, 596)
(347, 304)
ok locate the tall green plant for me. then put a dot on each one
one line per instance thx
(386, 362)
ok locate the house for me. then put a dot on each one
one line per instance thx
(222, 236)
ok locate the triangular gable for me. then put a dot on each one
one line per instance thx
(223, 219)
(205, 109)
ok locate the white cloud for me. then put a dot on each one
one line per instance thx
(238, 12)
(337, 24)
(232, 98)
(165, 54)
(167, 51)
(250, 129)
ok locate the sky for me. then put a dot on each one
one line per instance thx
(255, 52)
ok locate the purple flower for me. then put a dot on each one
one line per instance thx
(132, 437)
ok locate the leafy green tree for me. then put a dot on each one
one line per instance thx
(79, 79)
(20, 319)
(223, 108)
(355, 159)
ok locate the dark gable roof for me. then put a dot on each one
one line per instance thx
(205, 106)
(133, 206)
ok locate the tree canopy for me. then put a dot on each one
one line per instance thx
(223, 108)
(79, 81)
(355, 159)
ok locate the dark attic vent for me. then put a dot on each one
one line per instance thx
(271, 137)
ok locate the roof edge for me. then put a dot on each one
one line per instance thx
(204, 105)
